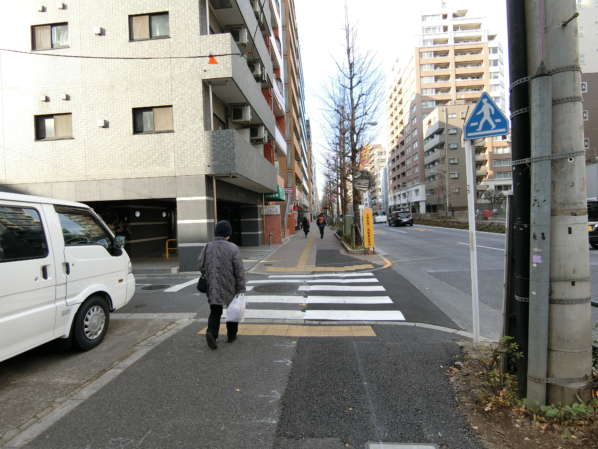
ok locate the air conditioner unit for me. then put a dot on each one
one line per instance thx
(257, 134)
(257, 70)
(241, 114)
(255, 4)
(241, 36)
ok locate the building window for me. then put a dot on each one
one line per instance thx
(428, 104)
(47, 37)
(586, 115)
(53, 127)
(453, 161)
(452, 131)
(453, 146)
(584, 87)
(23, 236)
(586, 143)
(149, 26)
(152, 120)
(452, 115)
(501, 163)
(453, 175)
(502, 175)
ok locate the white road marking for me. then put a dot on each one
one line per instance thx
(342, 288)
(400, 232)
(481, 246)
(311, 276)
(272, 299)
(319, 315)
(354, 315)
(312, 281)
(177, 287)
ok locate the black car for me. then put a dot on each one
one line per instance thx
(400, 219)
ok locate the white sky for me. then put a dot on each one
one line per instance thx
(387, 27)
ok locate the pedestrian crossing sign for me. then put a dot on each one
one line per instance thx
(486, 120)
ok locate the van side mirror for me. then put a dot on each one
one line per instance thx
(119, 241)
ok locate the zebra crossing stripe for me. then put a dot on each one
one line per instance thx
(309, 276)
(342, 288)
(273, 299)
(312, 281)
(326, 315)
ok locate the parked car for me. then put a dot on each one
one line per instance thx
(62, 272)
(400, 219)
(379, 217)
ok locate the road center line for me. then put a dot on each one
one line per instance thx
(481, 246)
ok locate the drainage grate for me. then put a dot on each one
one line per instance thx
(155, 287)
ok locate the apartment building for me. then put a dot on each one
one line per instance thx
(457, 58)
(373, 160)
(588, 60)
(164, 116)
(299, 162)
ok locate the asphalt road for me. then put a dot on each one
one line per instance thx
(436, 261)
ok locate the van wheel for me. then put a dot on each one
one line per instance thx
(91, 323)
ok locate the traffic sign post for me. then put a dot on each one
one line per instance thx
(486, 120)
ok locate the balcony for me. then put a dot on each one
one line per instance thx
(233, 82)
(433, 142)
(232, 159)
(433, 157)
(481, 171)
(481, 157)
(277, 89)
(281, 142)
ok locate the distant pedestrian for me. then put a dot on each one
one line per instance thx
(321, 223)
(222, 265)
(305, 226)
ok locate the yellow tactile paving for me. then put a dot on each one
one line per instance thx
(282, 330)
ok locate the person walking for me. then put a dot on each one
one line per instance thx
(321, 222)
(220, 261)
(305, 226)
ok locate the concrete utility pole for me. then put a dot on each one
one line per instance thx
(553, 42)
(446, 161)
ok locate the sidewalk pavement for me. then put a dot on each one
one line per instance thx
(315, 254)
(159, 265)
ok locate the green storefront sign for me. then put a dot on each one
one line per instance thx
(279, 195)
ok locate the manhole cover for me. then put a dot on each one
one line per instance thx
(155, 287)
(276, 288)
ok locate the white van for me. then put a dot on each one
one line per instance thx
(61, 272)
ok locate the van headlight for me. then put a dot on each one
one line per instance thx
(130, 267)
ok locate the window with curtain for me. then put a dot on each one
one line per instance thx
(47, 37)
(53, 127)
(149, 26)
(152, 120)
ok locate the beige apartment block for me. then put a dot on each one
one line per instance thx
(457, 59)
(165, 116)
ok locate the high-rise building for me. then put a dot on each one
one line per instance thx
(373, 160)
(458, 58)
(588, 60)
(167, 116)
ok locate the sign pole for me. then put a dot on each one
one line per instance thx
(473, 250)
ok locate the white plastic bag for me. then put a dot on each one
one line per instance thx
(236, 309)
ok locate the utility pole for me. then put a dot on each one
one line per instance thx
(517, 304)
(446, 163)
(553, 34)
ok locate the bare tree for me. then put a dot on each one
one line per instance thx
(360, 82)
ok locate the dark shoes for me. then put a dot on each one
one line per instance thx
(232, 338)
(211, 341)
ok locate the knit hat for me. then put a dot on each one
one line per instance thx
(223, 229)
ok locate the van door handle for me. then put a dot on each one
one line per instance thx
(45, 271)
(67, 268)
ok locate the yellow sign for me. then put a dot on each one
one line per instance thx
(368, 228)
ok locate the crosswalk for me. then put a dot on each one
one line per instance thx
(321, 297)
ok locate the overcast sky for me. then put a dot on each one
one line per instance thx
(386, 27)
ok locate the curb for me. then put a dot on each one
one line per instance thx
(361, 252)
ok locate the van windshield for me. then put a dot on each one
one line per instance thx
(593, 210)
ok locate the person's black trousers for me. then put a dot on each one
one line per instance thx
(214, 322)
(321, 232)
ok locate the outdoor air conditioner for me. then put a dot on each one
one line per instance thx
(257, 69)
(241, 114)
(257, 134)
(241, 36)
(255, 4)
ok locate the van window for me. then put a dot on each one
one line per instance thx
(80, 227)
(21, 234)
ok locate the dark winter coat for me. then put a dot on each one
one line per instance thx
(321, 224)
(221, 262)
(305, 225)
